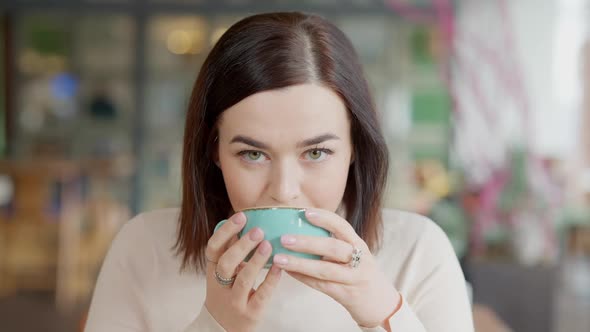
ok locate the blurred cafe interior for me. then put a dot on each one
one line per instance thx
(485, 105)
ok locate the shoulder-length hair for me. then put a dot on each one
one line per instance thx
(265, 52)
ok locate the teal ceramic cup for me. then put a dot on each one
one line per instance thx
(278, 221)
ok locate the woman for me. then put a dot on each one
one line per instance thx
(281, 115)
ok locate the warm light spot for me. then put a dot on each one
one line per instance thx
(179, 42)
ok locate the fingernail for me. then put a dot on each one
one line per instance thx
(310, 214)
(287, 239)
(264, 248)
(239, 218)
(280, 260)
(256, 234)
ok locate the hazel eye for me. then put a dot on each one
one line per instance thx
(316, 155)
(252, 156)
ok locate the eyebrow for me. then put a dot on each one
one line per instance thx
(259, 145)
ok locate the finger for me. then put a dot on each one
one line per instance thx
(318, 269)
(234, 255)
(233, 240)
(330, 249)
(333, 223)
(220, 240)
(211, 273)
(247, 277)
(264, 293)
(240, 268)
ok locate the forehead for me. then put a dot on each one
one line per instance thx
(294, 112)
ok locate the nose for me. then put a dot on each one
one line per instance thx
(284, 183)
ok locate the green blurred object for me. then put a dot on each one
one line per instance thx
(47, 35)
(423, 153)
(516, 189)
(431, 109)
(431, 106)
(575, 216)
(420, 45)
(431, 103)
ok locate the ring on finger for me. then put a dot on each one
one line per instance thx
(225, 282)
(355, 259)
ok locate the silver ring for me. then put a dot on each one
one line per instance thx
(355, 260)
(224, 281)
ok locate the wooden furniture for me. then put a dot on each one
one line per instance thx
(55, 231)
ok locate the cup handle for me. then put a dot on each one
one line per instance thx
(219, 225)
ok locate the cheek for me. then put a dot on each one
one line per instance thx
(242, 189)
(325, 190)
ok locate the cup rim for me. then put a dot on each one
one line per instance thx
(273, 208)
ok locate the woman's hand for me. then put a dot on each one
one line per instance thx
(237, 306)
(364, 291)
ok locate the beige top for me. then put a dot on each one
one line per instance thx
(140, 287)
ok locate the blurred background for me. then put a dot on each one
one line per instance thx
(485, 107)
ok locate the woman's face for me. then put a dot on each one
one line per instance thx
(288, 147)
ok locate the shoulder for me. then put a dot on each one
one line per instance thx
(145, 237)
(414, 234)
(411, 226)
(153, 225)
(417, 255)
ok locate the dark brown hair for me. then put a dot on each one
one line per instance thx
(265, 52)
